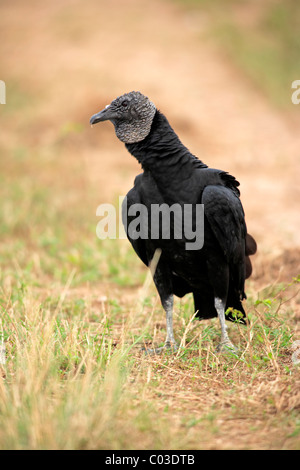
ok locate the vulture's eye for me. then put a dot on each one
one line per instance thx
(124, 103)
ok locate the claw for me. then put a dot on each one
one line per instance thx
(156, 351)
(227, 347)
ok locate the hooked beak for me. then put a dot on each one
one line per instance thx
(105, 115)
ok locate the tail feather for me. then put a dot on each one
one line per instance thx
(251, 248)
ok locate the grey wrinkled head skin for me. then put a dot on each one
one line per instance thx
(131, 114)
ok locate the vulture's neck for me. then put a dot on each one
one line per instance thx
(163, 155)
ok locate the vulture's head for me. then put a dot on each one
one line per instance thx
(131, 114)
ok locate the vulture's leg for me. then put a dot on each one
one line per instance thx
(162, 279)
(218, 271)
(168, 307)
(170, 342)
(225, 341)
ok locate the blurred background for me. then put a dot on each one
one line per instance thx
(75, 310)
(222, 74)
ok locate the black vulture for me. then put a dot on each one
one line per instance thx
(213, 271)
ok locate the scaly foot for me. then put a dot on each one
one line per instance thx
(166, 347)
(227, 347)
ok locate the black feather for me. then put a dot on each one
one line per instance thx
(173, 175)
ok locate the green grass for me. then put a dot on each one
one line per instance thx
(74, 380)
(74, 317)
